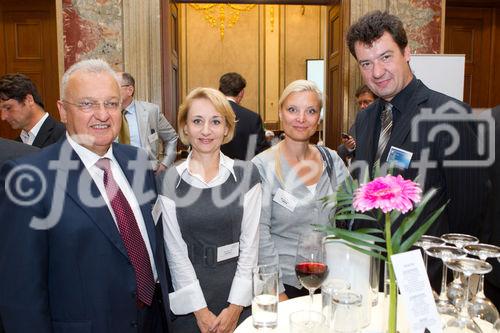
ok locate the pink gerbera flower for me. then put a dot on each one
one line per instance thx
(387, 193)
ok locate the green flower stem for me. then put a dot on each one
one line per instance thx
(392, 278)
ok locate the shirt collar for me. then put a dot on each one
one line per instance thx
(33, 132)
(224, 162)
(131, 107)
(88, 157)
(401, 100)
(230, 98)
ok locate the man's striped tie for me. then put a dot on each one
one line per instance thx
(385, 130)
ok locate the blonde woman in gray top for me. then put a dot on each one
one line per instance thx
(295, 175)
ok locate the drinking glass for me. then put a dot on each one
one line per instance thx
(467, 266)
(480, 306)
(310, 267)
(456, 288)
(265, 296)
(445, 253)
(328, 289)
(426, 242)
(346, 311)
(307, 322)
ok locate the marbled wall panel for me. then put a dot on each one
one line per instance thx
(93, 29)
(422, 20)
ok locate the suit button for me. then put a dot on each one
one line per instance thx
(134, 324)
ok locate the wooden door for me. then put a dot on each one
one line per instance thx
(170, 60)
(334, 89)
(28, 41)
(469, 31)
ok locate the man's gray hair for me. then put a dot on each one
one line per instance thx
(87, 66)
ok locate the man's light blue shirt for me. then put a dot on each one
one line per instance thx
(130, 114)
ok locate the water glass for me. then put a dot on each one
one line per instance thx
(265, 296)
(307, 321)
(346, 312)
(329, 288)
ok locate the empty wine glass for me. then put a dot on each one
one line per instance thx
(467, 266)
(310, 267)
(480, 306)
(455, 290)
(445, 253)
(426, 242)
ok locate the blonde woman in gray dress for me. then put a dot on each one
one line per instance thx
(295, 176)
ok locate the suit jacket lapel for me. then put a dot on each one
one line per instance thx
(100, 215)
(365, 133)
(402, 129)
(142, 123)
(146, 207)
(44, 132)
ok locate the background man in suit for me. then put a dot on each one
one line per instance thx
(22, 107)
(364, 97)
(12, 149)
(81, 254)
(378, 42)
(249, 138)
(145, 126)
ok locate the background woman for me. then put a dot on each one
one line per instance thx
(295, 176)
(211, 207)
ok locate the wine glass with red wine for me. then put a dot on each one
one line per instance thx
(310, 267)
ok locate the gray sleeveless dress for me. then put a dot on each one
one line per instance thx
(206, 224)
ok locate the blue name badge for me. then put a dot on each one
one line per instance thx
(399, 158)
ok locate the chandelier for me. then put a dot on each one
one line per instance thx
(222, 16)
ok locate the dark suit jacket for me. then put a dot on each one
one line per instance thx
(10, 149)
(491, 226)
(50, 132)
(248, 129)
(70, 273)
(464, 187)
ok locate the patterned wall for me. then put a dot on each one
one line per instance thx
(422, 20)
(93, 29)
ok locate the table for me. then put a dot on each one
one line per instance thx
(378, 321)
(378, 316)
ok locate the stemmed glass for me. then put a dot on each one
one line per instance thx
(445, 253)
(481, 307)
(310, 267)
(467, 266)
(426, 242)
(456, 288)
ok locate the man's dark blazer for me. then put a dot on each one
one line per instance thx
(10, 149)
(50, 132)
(76, 275)
(248, 123)
(464, 187)
(491, 226)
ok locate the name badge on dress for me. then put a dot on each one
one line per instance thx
(228, 251)
(399, 158)
(153, 137)
(285, 199)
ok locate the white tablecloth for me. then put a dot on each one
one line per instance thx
(379, 318)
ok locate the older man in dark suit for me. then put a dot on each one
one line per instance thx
(10, 149)
(249, 138)
(22, 107)
(78, 246)
(411, 125)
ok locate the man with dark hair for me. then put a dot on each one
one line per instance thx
(249, 138)
(378, 42)
(22, 107)
(144, 126)
(347, 149)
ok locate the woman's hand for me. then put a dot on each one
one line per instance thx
(205, 320)
(283, 297)
(227, 319)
